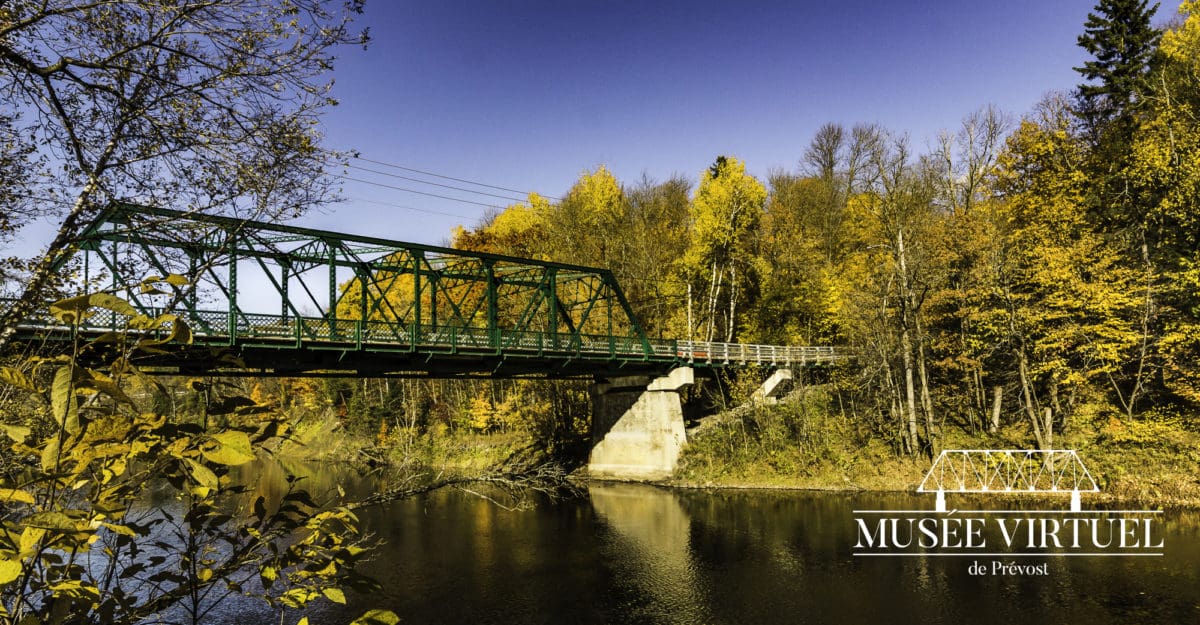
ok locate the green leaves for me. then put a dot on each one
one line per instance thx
(15, 495)
(202, 474)
(232, 449)
(63, 402)
(9, 571)
(74, 309)
(377, 617)
(57, 521)
(14, 377)
(16, 432)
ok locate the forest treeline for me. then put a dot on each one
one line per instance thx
(1011, 273)
(1016, 273)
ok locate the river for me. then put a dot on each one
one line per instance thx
(628, 553)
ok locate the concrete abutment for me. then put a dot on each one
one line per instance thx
(637, 426)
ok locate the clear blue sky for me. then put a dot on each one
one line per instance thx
(528, 94)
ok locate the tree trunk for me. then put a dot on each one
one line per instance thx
(733, 295)
(997, 398)
(32, 295)
(691, 333)
(714, 292)
(926, 399)
(909, 388)
(1030, 406)
(906, 346)
(979, 395)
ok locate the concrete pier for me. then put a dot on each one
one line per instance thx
(637, 426)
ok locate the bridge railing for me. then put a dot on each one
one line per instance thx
(223, 328)
(741, 353)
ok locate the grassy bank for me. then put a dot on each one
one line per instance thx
(805, 443)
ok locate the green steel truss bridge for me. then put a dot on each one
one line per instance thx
(275, 300)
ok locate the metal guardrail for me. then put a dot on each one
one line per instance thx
(743, 354)
(219, 328)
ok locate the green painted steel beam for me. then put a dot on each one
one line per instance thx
(432, 303)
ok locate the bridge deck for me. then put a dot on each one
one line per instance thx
(264, 344)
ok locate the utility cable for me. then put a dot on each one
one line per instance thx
(394, 187)
(411, 208)
(435, 184)
(462, 180)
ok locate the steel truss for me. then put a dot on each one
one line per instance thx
(285, 300)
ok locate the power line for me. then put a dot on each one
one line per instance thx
(463, 180)
(394, 187)
(411, 208)
(435, 184)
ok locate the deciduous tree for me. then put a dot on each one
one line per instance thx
(721, 259)
(209, 105)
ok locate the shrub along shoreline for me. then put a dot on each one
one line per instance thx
(802, 444)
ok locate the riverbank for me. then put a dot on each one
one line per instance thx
(799, 444)
(802, 444)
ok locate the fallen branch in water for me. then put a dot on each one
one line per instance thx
(547, 479)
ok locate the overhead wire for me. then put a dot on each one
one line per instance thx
(445, 177)
(411, 208)
(435, 184)
(418, 192)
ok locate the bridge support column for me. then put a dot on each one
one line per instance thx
(637, 426)
(768, 393)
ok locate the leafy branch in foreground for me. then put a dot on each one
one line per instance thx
(81, 540)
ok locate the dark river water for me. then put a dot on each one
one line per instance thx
(625, 553)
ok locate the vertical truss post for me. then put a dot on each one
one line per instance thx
(194, 277)
(331, 311)
(283, 289)
(362, 299)
(550, 296)
(417, 257)
(433, 307)
(493, 306)
(608, 308)
(231, 321)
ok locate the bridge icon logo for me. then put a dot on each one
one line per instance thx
(1008, 471)
(1006, 534)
